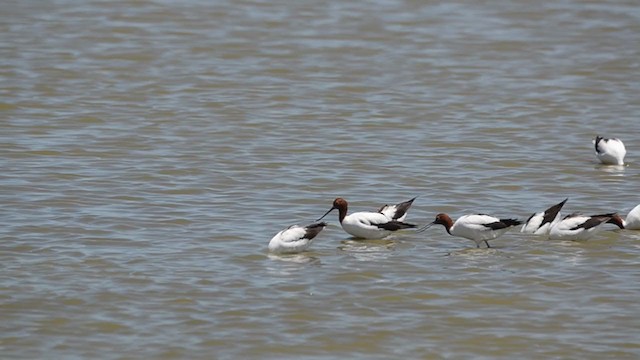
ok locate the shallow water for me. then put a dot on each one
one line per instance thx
(150, 150)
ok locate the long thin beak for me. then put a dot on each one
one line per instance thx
(325, 214)
(425, 227)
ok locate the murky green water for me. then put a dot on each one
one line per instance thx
(150, 150)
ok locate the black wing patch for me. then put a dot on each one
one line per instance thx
(395, 225)
(403, 208)
(511, 222)
(496, 225)
(313, 230)
(597, 143)
(594, 221)
(503, 223)
(552, 212)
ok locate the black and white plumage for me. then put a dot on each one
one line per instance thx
(476, 227)
(295, 238)
(541, 222)
(366, 224)
(610, 151)
(582, 227)
(398, 211)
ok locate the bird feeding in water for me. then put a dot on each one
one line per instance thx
(476, 227)
(541, 222)
(632, 221)
(295, 238)
(582, 227)
(369, 224)
(610, 151)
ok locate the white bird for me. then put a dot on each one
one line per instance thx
(632, 221)
(582, 227)
(539, 223)
(610, 151)
(477, 227)
(295, 238)
(397, 211)
(365, 224)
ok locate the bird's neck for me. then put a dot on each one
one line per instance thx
(342, 213)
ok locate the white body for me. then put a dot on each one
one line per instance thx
(290, 240)
(473, 228)
(632, 221)
(610, 151)
(370, 225)
(562, 230)
(362, 225)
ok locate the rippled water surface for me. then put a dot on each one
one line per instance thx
(150, 150)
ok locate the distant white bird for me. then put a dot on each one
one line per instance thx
(539, 223)
(477, 227)
(365, 224)
(582, 227)
(632, 221)
(295, 238)
(397, 211)
(610, 151)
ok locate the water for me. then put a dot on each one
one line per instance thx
(150, 149)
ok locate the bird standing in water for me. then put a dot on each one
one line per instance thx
(476, 227)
